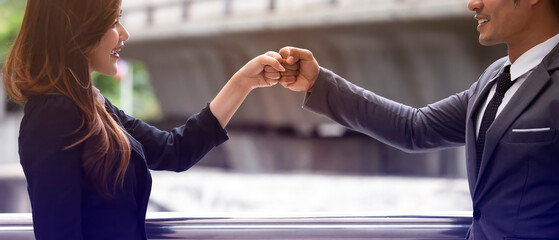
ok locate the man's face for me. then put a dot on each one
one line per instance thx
(501, 21)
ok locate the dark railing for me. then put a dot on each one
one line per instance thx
(181, 226)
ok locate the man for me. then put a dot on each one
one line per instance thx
(508, 119)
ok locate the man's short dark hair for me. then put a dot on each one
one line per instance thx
(554, 6)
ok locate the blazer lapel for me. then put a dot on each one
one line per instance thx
(521, 99)
(530, 89)
(471, 127)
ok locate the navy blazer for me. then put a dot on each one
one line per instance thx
(516, 193)
(64, 205)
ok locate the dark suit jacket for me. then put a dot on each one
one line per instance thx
(516, 193)
(64, 205)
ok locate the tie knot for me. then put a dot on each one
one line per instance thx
(503, 81)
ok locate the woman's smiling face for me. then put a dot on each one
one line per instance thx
(104, 56)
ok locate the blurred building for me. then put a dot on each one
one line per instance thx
(412, 51)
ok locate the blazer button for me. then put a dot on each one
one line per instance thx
(477, 214)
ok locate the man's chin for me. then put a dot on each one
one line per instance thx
(487, 42)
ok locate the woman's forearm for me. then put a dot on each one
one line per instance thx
(262, 71)
(228, 100)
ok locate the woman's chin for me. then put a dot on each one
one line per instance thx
(107, 72)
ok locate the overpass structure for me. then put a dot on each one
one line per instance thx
(412, 51)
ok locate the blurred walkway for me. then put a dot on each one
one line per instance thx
(206, 190)
(9, 130)
(203, 190)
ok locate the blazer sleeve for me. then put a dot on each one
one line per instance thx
(437, 125)
(54, 175)
(178, 149)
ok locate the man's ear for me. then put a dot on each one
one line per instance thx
(535, 2)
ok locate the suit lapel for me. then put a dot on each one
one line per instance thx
(471, 126)
(520, 100)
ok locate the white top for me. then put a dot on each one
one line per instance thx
(519, 72)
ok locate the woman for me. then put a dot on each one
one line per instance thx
(85, 161)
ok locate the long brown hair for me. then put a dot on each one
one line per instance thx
(49, 56)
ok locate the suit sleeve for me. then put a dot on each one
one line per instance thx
(180, 148)
(54, 175)
(437, 125)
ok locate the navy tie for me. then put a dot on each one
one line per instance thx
(503, 84)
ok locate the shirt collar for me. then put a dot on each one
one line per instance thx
(531, 58)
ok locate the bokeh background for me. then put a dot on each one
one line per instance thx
(281, 158)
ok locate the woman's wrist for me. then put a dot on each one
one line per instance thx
(242, 84)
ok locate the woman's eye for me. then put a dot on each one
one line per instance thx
(117, 21)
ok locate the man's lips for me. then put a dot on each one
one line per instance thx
(481, 19)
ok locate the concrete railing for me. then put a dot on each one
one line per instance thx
(195, 17)
(225, 226)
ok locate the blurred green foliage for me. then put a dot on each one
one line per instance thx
(11, 14)
(145, 105)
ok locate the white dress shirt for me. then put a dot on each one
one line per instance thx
(519, 72)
